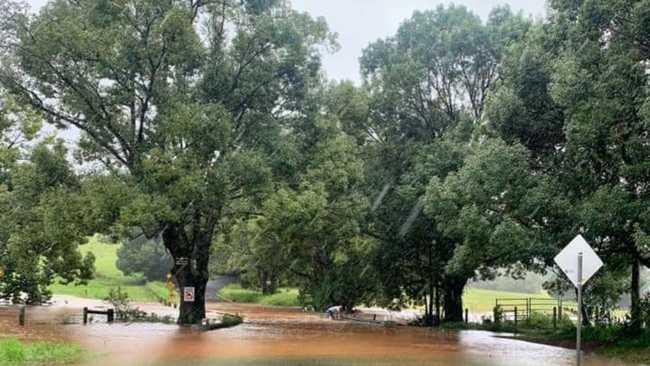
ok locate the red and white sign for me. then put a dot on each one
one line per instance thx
(188, 294)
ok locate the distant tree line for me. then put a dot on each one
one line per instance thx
(471, 148)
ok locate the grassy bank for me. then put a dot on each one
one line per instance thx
(107, 276)
(613, 341)
(284, 296)
(15, 353)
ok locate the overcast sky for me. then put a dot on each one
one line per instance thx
(359, 22)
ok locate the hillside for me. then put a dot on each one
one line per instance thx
(107, 276)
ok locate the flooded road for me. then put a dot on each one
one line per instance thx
(272, 336)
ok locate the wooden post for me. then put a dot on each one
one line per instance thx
(21, 316)
(515, 318)
(110, 315)
(495, 315)
(85, 315)
(466, 316)
(554, 318)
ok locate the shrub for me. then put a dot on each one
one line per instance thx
(148, 257)
(230, 320)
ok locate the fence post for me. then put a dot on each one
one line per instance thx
(85, 315)
(515, 318)
(554, 318)
(21, 316)
(466, 316)
(110, 315)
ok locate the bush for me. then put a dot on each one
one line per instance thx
(148, 257)
(230, 320)
(120, 301)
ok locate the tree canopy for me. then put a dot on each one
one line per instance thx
(471, 147)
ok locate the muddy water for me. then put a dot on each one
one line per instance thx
(285, 337)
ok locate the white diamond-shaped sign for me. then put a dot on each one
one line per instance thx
(567, 260)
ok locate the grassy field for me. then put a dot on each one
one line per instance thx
(483, 301)
(16, 353)
(107, 276)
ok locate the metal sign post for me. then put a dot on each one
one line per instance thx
(588, 264)
(579, 325)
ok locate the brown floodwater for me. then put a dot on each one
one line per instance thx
(274, 336)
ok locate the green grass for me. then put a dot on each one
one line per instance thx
(482, 301)
(284, 296)
(15, 352)
(107, 276)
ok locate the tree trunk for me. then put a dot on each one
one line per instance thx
(429, 321)
(635, 297)
(191, 312)
(453, 299)
(438, 315)
(190, 271)
(268, 282)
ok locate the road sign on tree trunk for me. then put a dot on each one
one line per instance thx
(188, 294)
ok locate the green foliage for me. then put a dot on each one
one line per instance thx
(427, 86)
(320, 224)
(230, 320)
(41, 226)
(146, 257)
(187, 122)
(126, 312)
(495, 210)
(256, 255)
(120, 301)
(574, 94)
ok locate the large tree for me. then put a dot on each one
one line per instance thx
(575, 94)
(426, 88)
(319, 223)
(41, 226)
(180, 100)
